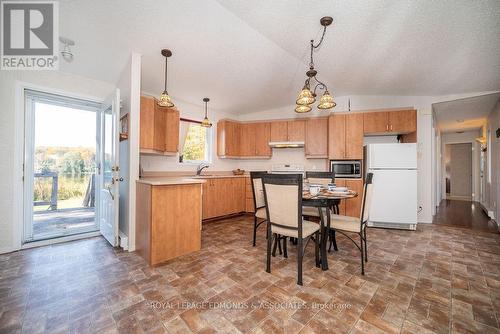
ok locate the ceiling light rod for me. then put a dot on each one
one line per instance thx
(206, 123)
(165, 100)
(306, 98)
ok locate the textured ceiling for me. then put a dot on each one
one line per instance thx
(252, 55)
(464, 114)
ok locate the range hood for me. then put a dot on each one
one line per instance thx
(286, 144)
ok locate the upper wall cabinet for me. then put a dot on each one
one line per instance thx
(390, 122)
(228, 139)
(243, 140)
(159, 128)
(345, 139)
(288, 131)
(316, 144)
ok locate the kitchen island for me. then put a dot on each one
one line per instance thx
(168, 217)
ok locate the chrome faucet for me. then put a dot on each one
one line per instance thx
(200, 168)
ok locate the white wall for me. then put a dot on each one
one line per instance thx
(457, 138)
(12, 138)
(493, 180)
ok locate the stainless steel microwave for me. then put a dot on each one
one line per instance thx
(346, 168)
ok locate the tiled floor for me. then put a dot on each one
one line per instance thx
(438, 279)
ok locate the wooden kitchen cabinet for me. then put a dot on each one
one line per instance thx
(404, 121)
(354, 136)
(390, 122)
(159, 128)
(279, 131)
(249, 205)
(345, 136)
(296, 130)
(262, 138)
(247, 141)
(223, 196)
(228, 138)
(168, 221)
(316, 141)
(352, 206)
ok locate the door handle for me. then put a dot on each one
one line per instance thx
(108, 188)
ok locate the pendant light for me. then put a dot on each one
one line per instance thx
(206, 123)
(165, 100)
(307, 97)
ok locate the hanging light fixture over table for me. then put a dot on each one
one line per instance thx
(165, 100)
(307, 97)
(206, 123)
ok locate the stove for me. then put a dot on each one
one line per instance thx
(288, 169)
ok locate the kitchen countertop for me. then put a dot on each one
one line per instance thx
(169, 181)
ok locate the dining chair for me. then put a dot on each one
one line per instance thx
(342, 224)
(258, 202)
(283, 198)
(323, 178)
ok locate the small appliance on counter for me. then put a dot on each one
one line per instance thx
(394, 202)
(346, 168)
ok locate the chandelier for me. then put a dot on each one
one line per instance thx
(307, 97)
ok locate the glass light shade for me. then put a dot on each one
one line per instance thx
(302, 109)
(206, 123)
(326, 101)
(305, 97)
(165, 100)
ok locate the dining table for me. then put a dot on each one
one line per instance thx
(326, 201)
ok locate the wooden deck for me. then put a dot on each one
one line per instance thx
(63, 220)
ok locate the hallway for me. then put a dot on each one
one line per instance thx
(464, 214)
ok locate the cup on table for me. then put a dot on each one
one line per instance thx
(331, 186)
(314, 189)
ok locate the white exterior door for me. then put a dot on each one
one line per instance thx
(109, 170)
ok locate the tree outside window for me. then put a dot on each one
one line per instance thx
(196, 147)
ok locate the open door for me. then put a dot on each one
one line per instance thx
(108, 169)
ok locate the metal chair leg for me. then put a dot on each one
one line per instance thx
(285, 253)
(362, 254)
(366, 245)
(275, 245)
(316, 248)
(269, 242)
(300, 254)
(333, 240)
(279, 244)
(254, 230)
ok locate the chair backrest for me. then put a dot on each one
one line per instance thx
(257, 189)
(322, 178)
(367, 198)
(283, 196)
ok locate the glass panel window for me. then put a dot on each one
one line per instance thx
(197, 143)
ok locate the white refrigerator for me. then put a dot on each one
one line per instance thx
(394, 201)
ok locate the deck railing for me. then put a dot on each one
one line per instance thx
(53, 194)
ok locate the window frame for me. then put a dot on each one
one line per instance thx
(208, 145)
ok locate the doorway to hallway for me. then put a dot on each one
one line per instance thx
(464, 214)
(458, 171)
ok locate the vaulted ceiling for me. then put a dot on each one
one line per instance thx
(252, 55)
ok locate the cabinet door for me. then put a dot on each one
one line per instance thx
(247, 141)
(172, 132)
(160, 130)
(262, 136)
(239, 191)
(208, 200)
(341, 183)
(296, 130)
(375, 122)
(353, 205)
(232, 140)
(317, 138)
(279, 131)
(147, 122)
(336, 136)
(404, 121)
(354, 136)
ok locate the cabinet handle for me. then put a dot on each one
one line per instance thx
(387, 127)
(391, 127)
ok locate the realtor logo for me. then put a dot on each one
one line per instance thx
(29, 32)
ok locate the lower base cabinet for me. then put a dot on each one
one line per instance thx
(168, 221)
(352, 206)
(223, 196)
